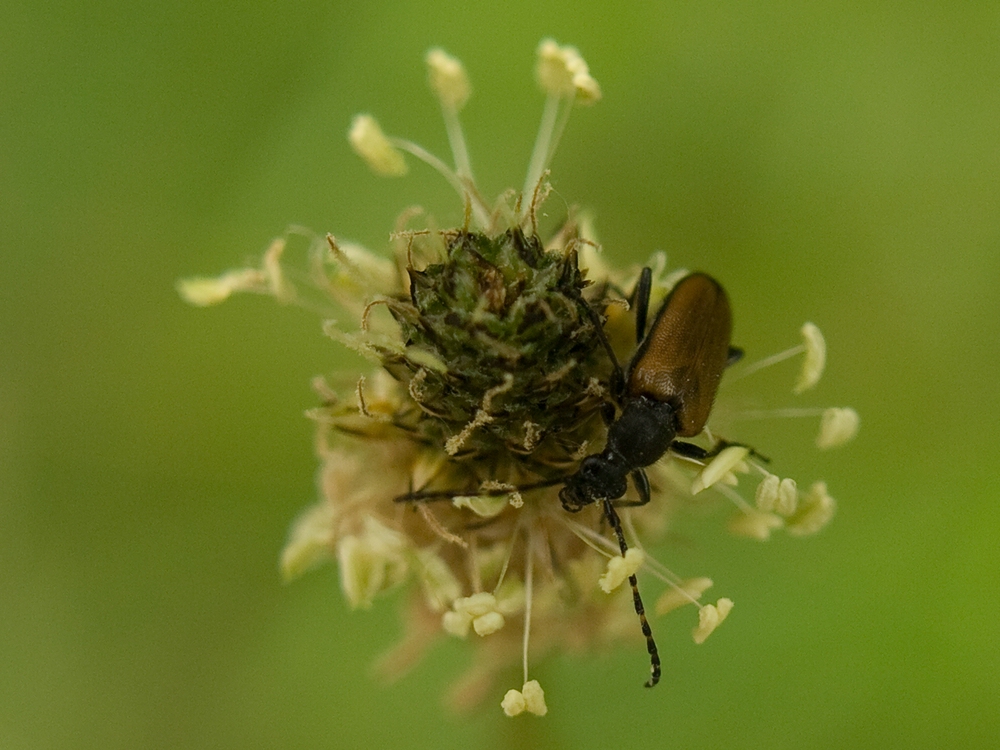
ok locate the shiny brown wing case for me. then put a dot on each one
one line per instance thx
(680, 361)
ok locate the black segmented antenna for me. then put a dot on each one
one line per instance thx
(654, 656)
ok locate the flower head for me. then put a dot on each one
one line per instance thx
(496, 364)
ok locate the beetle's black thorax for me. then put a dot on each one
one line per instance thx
(643, 432)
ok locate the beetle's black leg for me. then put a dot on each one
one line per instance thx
(723, 444)
(690, 450)
(608, 413)
(654, 657)
(734, 356)
(641, 482)
(640, 298)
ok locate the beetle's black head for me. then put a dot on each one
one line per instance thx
(598, 478)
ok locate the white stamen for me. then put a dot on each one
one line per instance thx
(685, 592)
(790, 413)
(372, 145)
(600, 544)
(788, 497)
(450, 83)
(371, 562)
(754, 524)
(563, 72)
(513, 703)
(447, 78)
(534, 698)
(815, 511)
(456, 623)
(529, 582)
(766, 496)
(540, 153)
(530, 698)
(837, 427)
(489, 623)
(485, 506)
(465, 191)
(728, 459)
(565, 78)
(204, 292)
(476, 605)
(735, 496)
(309, 542)
(767, 362)
(815, 359)
(440, 584)
(710, 617)
(621, 567)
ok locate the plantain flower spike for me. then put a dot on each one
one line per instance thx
(489, 380)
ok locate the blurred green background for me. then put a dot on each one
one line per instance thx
(827, 161)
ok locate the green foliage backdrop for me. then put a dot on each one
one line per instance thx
(827, 161)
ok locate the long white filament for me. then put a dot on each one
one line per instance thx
(529, 579)
(478, 208)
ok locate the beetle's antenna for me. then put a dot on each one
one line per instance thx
(423, 496)
(617, 374)
(654, 656)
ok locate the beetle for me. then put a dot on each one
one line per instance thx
(666, 393)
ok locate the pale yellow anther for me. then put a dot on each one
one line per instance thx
(479, 610)
(372, 270)
(788, 497)
(815, 358)
(513, 496)
(534, 698)
(310, 541)
(530, 698)
(362, 571)
(439, 582)
(563, 72)
(489, 623)
(766, 496)
(278, 285)
(204, 291)
(621, 567)
(425, 359)
(372, 145)
(553, 75)
(754, 524)
(710, 617)
(513, 703)
(776, 495)
(371, 562)
(447, 78)
(485, 506)
(686, 592)
(456, 623)
(588, 90)
(728, 460)
(476, 605)
(815, 511)
(838, 426)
